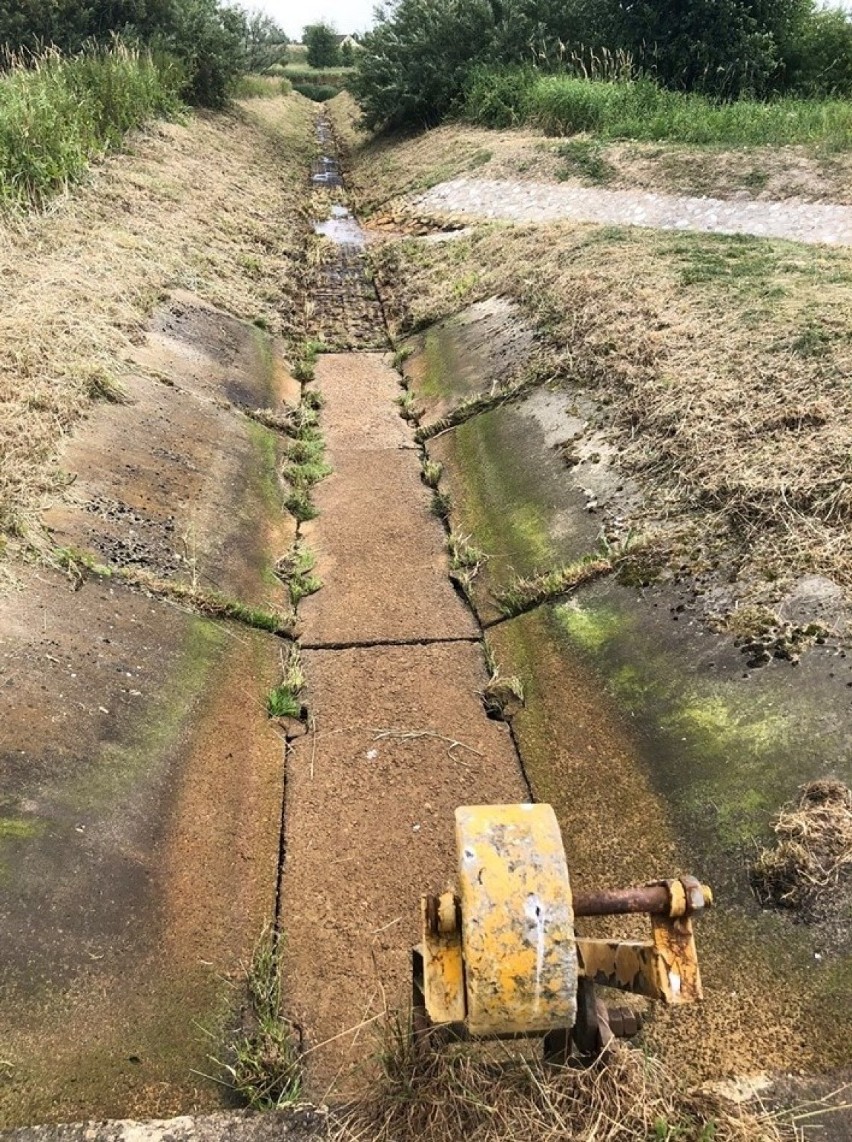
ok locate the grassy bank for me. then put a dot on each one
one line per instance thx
(319, 84)
(261, 86)
(640, 109)
(214, 204)
(718, 365)
(59, 114)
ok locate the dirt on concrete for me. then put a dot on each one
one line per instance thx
(172, 479)
(371, 794)
(380, 549)
(138, 845)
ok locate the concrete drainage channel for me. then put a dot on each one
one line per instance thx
(394, 668)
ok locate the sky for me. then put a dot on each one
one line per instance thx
(346, 15)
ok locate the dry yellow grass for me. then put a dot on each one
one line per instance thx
(721, 366)
(500, 1096)
(212, 205)
(382, 169)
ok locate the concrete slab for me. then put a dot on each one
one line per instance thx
(215, 355)
(225, 1126)
(470, 353)
(370, 801)
(380, 549)
(173, 484)
(381, 556)
(140, 809)
(512, 492)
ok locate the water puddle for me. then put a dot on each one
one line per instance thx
(345, 311)
(341, 228)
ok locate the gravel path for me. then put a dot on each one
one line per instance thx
(544, 202)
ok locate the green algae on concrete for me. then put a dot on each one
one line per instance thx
(724, 743)
(510, 492)
(472, 352)
(660, 757)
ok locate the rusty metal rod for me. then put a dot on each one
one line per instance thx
(653, 899)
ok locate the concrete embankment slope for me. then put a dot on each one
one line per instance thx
(142, 780)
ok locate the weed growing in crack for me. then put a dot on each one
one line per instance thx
(264, 1067)
(313, 399)
(465, 560)
(283, 700)
(299, 505)
(401, 356)
(305, 366)
(80, 564)
(295, 569)
(305, 464)
(474, 406)
(278, 421)
(442, 505)
(501, 697)
(526, 593)
(407, 405)
(431, 472)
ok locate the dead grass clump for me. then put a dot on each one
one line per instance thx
(456, 1093)
(813, 849)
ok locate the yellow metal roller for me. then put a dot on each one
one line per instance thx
(500, 955)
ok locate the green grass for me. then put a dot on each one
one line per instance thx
(261, 86)
(640, 109)
(296, 570)
(264, 1067)
(58, 114)
(318, 92)
(583, 158)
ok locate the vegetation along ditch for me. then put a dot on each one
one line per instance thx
(341, 485)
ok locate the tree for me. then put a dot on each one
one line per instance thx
(265, 43)
(321, 42)
(347, 54)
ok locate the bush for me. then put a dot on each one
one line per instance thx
(319, 92)
(499, 98)
(821, 57)
(210, 43)
(641, 109)
(417, 59)
(56, 114)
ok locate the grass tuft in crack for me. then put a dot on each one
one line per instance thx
(305, 464)
(442, 505)
(80, 564)
(476, 405)
(431, 472)
(305, 366)
(502, 697)
(264, 1068)
(283, 700)
(465, 559)
(295, 569)
(526, 593)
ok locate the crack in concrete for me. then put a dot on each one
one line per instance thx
(369, 644)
